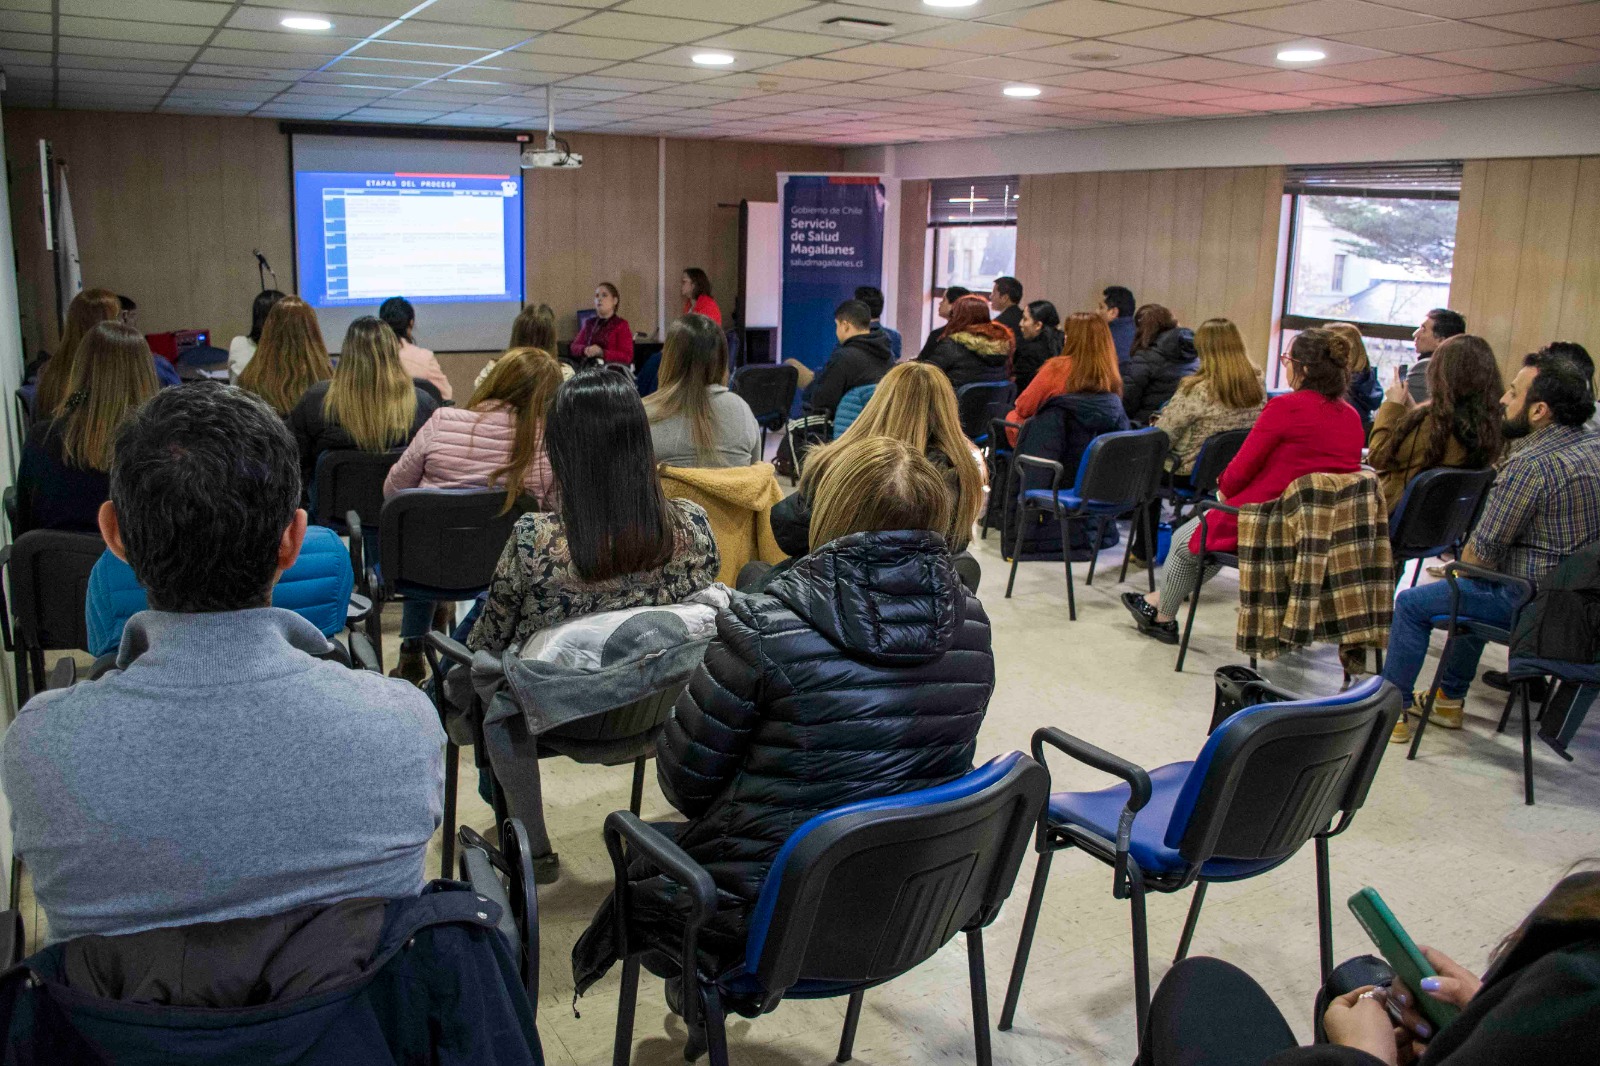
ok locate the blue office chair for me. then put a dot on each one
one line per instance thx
(856, 896)
(1268, 779)
(1216, 452)
(1436, 514)
(1456, 625)
(1119, 472)
(980, 403)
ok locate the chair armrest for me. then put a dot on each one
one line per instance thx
(1057, 471)
(1139, 790)
(1200, 511)
(64, 674)
(482, 865)
(449, 648)
(363, 656)
(647, 841)
(13, 939)
(357, 610)
(1521, 586)
(5, 600)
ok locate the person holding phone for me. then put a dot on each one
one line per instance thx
(1538, 1002)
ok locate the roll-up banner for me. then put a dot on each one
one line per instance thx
(832, 242)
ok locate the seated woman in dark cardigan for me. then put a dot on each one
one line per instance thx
(864, 671)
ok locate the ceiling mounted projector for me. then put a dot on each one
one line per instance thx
(556, 153)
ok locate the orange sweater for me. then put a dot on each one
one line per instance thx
(1051, 380)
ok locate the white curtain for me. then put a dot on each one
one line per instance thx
(67, 245)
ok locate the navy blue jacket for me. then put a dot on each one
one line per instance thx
(441, 987)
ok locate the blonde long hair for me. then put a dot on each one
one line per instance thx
(371, 396)
(111, 376)
(523, 381)
(1358, 345)
(290, 357)
(915, 404)
(693, 358)
(878, 483)
(1224, 366)
(87, 310)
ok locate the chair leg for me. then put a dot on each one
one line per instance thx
(852, 1018)
(1155, 536)
(1377, 657)
(1188, 626)
(1019, 965)
(1066, 560)
(1094, 549)
(637, 798)
(716, 1027)
(1141, 955)
(622, 1048)
(980, 997)
(1192, 921)
(1016, 549)
(36, 662)
(1527, 745)
(1416, 574)
(1427, 701)
(19, 666)
(1505, 712)
(1324, 908)
(452, 773)
(1127, 551)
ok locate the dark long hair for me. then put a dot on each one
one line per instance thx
(1464, 389)
(264, 301)
(1150, 322)
(615, 515)
(699, 283)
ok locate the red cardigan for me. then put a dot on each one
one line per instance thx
(614, 336)
(1301, 433)
(704, 305)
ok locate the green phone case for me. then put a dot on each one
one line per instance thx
(1401, 953)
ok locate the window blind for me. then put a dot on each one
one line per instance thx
(973, 200)
(1436, 180)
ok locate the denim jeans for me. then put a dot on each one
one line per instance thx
(1414, 614)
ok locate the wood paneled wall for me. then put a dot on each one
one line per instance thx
(912, 296)
(1527, 262)
(1202, 242)
(704, 175)
(169, 206)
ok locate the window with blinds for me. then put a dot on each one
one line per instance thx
(973, 201)
(1437, 180)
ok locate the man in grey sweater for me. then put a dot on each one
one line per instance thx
(221, 771)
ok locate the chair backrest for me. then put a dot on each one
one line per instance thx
(24, 403)
(49, 572)
(968, 570)
(443, 541)
(851, 404)
(591, 739)
(351, 480)
(769, 390)
(1122, 469)
(980, 403)
(1216, 452)
(1274, 775)
(1437, 511)
(869, 890)
(431, 389)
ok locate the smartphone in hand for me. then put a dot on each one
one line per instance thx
(1401, 953)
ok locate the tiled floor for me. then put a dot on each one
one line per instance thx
(1446, 839)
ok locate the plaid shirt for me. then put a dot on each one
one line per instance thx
(1315, 567)
(1544, 506)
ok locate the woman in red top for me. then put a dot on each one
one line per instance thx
(606, 335)
(1085, 333)
(697, 295)
(1312, 430)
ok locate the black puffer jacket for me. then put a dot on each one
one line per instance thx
(861, 360)
(978, 354)
(1032, 354)
(1154, 373)
(864, 671)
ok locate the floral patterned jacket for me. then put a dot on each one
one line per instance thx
(536, 586)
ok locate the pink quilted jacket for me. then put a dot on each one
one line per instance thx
(460, 449)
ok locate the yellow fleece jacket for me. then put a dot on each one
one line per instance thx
(739, 502)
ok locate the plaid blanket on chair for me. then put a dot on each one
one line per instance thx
(1314, 567)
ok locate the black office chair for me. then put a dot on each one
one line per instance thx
(24, 406)
(49, 579)
(431, 389)
(1207, 557)
(619, 736)
(1216, 452)
(980, 403)
(1270, 777)
(505, 876)
(997, 453)
(770, 392)
(1436, 514)
(857, 896)
(347, 495)
(1119, 472)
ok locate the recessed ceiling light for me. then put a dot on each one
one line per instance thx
(1022, 90)
(1096, 57)
(305, 22)
(1300, 55)
(712, 59)
(948, 3)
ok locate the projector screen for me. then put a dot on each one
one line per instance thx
(438, 222)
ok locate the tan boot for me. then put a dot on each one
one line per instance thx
(1402, 732)
(1447, 713)
(413, 665)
